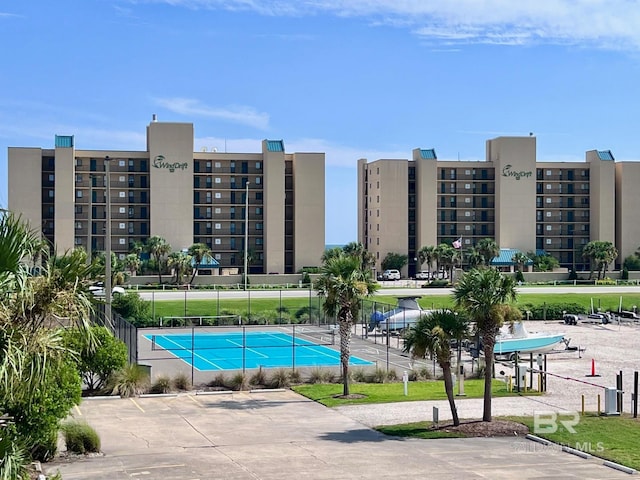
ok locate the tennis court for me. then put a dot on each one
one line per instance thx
(250, 349)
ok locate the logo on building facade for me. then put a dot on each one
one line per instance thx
(507, 172)
(159, 162)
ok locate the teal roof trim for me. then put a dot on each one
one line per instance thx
(207, 262)
(605, 155)
(505, 258)
(64, 141)
(275, 145)
(429, 154)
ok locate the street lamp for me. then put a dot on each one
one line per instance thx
(107, 243)
(246, 232)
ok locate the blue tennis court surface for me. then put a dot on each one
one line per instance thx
(237, 350)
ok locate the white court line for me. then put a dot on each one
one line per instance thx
(192, 352)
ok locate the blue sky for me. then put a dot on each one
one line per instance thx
(352, 78)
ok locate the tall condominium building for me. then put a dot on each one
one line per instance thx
(170, 191)
(522, 204)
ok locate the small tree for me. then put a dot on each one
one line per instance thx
(394, 261)
(96, 361)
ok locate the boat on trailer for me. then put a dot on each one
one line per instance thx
(404, 315)
(515, 338)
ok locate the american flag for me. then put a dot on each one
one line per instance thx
(457, 243)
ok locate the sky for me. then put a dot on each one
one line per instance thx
(352, 78)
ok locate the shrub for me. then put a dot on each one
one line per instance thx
(181, 382)
(280, 378)
(161, 384)
(425, 373)
(132, 307)
(13, 456)
(295, 376)
(316, 376)
(329, 376)
(220, 380)
(259, 378)
(96, 362)
(79, 437)
(129, 381)
(379, 376)
(239, 381)
(359, 375)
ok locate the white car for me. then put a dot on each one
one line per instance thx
(391, 275)
(423, 275)
(98, 290)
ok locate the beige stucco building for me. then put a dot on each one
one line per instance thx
(522, 204)
(186, 197)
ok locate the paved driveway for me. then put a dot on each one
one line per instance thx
(281, 435)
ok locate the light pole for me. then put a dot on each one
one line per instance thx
(90, 214)
(246, 232)
(107, 242)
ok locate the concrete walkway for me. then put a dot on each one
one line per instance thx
(281, 435)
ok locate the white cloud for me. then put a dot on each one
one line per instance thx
(601, 23)
(237, 114)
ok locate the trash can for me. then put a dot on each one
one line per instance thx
(611, 401)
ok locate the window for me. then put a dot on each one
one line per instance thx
(78, 178)
(121, 226)
(548, 214)
(52, 177)
(122, 241)
(548, 186)
(258, 226)
(258, 180)
(218, 180)
(78, 225)
(467, 214)
(258, 165)
(78, 193)
(467, 186)
(467, 172)
(549, 228)
(217, 241)
(218, 211)
(121, 163)
(259, 196)
(78, 208)
(548, 200)
(122, 194)
(548, 173)
(218, 195)
(548, 242)
(121, 178)
(51, 194)
(259, 241)
(217, 165)
(467, 200)
(217, 256)
(258, 210)
(218, 226)
(467, 227)
(78, 162)
(78, 241)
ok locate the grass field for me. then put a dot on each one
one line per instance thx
(394, 392)
(290, 306)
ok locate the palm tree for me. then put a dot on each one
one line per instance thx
(482, 294)
(330, 253)
(198, 252)
(427, 254)
(158, 247)
(474, 258)
(344, 284)
(589, 253)
(446, 255)
(132, 263)
(432, 334)
(520, 259)
(488, 249)
(603, 253)
(356, 249)
(179, 262)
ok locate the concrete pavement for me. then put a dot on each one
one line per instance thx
(281, 435)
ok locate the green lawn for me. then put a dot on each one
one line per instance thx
(394, 392)
(165, 308)
(611, 438)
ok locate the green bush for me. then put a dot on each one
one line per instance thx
(181, 382)
(550, 311)
(133, 308)
(162, 384)
(259, 378)
(239, 381)
(129, 381)
(280, 378)
(295, 377)
(316, 376)
(98, 360)
(219, 381)
(359, 375)
(80, 438)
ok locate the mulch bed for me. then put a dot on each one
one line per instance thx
(478, 428)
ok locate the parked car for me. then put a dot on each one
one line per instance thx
(98, 290)
(391, 275)
(423, 275)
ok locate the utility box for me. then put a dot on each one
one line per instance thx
(611, 401)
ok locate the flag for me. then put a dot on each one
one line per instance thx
(457, 243)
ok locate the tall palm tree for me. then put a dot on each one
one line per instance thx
(482, 294)
(330, 253)
(605, 253)
(198, 252)
(356, 249)
(520, 259)
(488, 249)
(446, 255)
(158, 247)
(427, 254)
(432, 334)
(344, 284)
(179, 262)
(589, 253)
(132, 263)
(474, 258)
